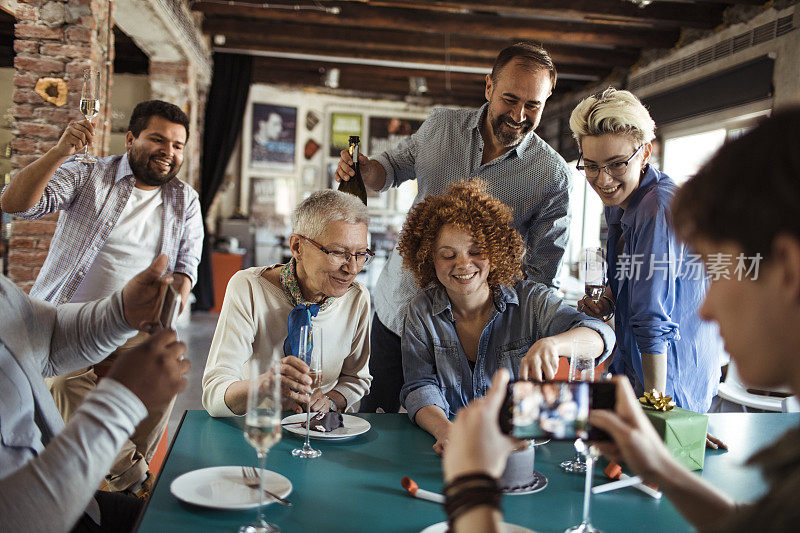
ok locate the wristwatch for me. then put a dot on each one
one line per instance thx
(334, 408)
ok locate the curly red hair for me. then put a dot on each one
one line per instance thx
(468, 206)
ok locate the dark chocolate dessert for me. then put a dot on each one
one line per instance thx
(325, 422)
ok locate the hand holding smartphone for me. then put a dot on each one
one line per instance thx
(170, 307)
(555, 409)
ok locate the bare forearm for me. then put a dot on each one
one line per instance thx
(480, 519)
(27, 186)
(432, 419)
(374, 175)
(580, 334)
(337, 398)
(183, 284)
(654, 368)
(700, 503)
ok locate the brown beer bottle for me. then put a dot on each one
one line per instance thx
(354, 185)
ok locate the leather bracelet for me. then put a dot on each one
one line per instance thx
(611, 304)
(468, 491)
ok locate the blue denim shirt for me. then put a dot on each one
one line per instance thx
(435, 365)
(658, 297)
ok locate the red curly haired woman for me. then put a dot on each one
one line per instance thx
(476, 314)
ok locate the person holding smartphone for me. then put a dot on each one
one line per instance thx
(476, 314)
(721, 214)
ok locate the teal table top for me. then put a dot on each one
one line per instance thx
(355, 485)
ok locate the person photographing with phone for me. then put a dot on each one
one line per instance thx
(757, 313)
(475, 314)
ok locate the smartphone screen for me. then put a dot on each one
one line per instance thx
(554, 409)
(169, 308)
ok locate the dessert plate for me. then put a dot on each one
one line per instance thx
(351, 426)
(222, 487)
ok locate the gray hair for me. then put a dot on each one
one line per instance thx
(322, 208)
(612, 111)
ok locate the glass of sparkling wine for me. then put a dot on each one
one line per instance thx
(593, 269)
(591, 455)
(262, 426)
(310, 351)
(581, 368)
(90, 105)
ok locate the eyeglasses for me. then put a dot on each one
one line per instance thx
(615, 169)
(338, 258)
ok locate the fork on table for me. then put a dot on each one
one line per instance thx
(252, 480)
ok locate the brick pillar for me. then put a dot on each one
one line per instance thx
(176, 82)
(56, 39)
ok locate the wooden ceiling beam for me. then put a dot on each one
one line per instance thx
(286, 34)
(585, 72)
(354, 17)
(656, 15)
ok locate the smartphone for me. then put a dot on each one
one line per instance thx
(170, 308)
(556, 410)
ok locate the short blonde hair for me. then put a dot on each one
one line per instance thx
(322, 208)
(612, 111)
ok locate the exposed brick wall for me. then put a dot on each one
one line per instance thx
(52, 39)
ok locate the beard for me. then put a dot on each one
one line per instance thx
(505, 134)
(141, 162)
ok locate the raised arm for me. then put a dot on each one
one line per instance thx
(28, 185)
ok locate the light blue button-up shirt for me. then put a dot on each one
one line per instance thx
(660, 314)
(435, 365)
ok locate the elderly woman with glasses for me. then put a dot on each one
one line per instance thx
(655, 284)
(265, 307)
(475, 314)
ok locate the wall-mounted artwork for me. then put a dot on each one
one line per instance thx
(274, 131)
(387, 132)
(343, 125)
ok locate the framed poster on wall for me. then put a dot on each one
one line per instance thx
(343, 125)
(272, 144)
(387, 132)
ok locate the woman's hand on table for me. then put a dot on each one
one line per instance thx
(714, 443)
(476, 443)
(541, 360)
(295, 381)
(320, 402)
(634, 440)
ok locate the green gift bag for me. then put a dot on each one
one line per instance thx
(684, 433)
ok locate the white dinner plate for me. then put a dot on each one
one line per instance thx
(441, 527)
(222, 487)
(352, 426)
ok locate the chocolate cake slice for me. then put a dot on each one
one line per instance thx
(325, 422)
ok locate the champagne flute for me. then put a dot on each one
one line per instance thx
(262, 426)
(586, 526)
(593, 269)
(90, 105)
(311, 354)
(581, 368)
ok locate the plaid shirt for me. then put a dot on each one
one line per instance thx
(532, 179)
(91, 199)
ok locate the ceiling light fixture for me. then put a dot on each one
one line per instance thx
(330, 78)
(417, 85)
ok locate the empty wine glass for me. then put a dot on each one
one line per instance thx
(310, 351)
(591, 454)
(90, 105)
(593, 270)
(581, 368)
(262, 426)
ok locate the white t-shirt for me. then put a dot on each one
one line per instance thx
(130, 248)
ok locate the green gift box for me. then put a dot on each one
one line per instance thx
(684, 433)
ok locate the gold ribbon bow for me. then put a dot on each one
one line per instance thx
(657, 400)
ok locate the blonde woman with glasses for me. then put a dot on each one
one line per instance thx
(265, 307)
(655, 285)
